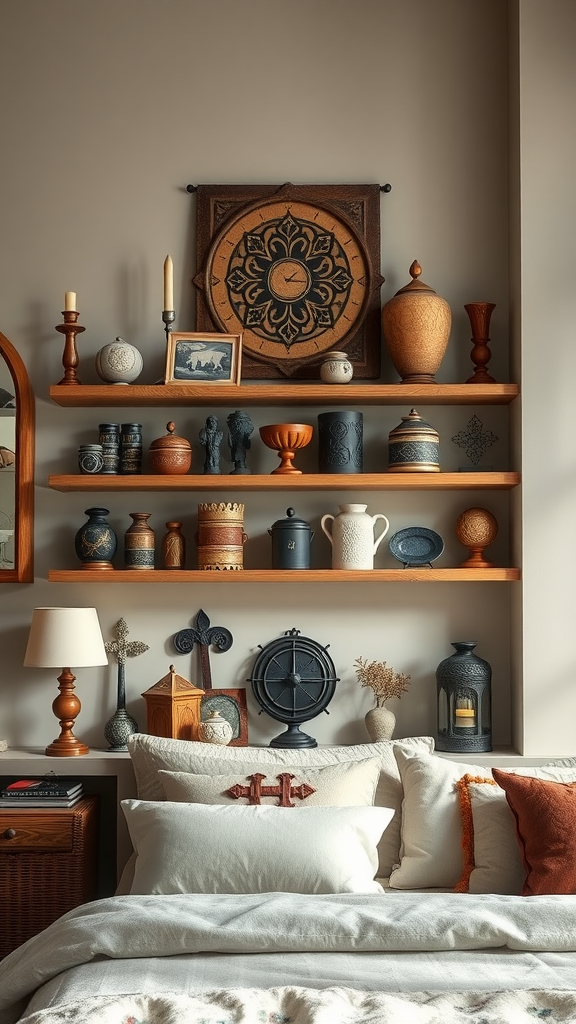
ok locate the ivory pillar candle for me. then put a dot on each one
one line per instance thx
(69, 302)
(168, 283)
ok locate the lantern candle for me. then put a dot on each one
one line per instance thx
(168, 283)
(69, 302)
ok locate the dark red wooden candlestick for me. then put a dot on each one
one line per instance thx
(70, 359)
(479, 314)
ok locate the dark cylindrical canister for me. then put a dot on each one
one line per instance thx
(109, 433)
(291, 540)
(340, 440)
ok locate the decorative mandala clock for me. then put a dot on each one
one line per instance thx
(295, 270)
(293, 681)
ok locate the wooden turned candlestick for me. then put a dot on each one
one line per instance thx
(70, 359)
(479, 314)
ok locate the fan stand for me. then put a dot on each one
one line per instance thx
(293, 738)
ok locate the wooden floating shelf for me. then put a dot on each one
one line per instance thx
(287, 482)
(139, 576)
(271, 394)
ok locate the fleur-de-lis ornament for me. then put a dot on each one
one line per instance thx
(122, 725)
(204, 635)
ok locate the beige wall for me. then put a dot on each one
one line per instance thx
(107, 111)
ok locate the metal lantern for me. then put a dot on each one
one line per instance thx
(173, 707)
(463, 695)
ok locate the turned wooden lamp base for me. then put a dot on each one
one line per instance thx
(66, 706)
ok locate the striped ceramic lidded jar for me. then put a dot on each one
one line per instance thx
(413, 446)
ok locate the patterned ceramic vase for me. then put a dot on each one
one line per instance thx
(139, 542)
(414, 446)
(119, 362)
(96, 542)
(215, 729)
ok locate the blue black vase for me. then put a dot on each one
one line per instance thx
(96, 542)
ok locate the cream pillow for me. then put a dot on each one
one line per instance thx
(150, 754)
(339, 785)
(240, 849)
(431, 831)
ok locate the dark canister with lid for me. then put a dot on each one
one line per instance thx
(291, 540)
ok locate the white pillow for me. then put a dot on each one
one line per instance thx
(220, 848)
(336, 785)
(431, 847)
(150, 754)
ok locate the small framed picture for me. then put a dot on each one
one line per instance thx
(232, 706)
(203, 358)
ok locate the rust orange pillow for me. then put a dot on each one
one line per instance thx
(545, 817)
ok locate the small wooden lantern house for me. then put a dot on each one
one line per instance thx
(173, 707)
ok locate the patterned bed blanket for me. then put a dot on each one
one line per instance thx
(311, 1006)
(157, 926)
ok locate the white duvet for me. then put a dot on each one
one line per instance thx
(532, 932)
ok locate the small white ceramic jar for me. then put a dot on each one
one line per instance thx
(336, 368)
(215, 729)
(119, 362)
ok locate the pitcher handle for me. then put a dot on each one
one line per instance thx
(323, 522)
(380, 536)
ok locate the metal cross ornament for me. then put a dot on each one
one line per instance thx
(204, 635)
(285, 790)
(474, 440)
(122, 725)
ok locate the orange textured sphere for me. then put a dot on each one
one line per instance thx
(476, 527)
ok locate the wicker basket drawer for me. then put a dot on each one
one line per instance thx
(34, 830)
(47, 868)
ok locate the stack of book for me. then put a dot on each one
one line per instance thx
(46, 792)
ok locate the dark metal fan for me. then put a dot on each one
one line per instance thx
(293, 680)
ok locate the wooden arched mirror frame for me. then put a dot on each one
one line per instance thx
(17, 551)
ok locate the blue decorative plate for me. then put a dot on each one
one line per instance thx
(416, 546)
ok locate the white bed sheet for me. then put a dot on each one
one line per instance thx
(484, 970)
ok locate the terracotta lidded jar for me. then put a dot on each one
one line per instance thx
(413, 446)
(170, 454)
(416, 323)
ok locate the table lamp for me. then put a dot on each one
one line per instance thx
(65, 637)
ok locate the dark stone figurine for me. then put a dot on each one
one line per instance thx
(240, 427)
(211, 438)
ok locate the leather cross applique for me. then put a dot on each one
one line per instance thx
(255, 791)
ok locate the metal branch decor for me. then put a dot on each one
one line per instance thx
(204, 635)
(122, 725)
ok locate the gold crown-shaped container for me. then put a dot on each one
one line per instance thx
(170, 454)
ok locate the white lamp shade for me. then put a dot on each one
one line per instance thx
(65, 638)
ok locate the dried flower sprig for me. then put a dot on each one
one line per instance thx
(384, 681)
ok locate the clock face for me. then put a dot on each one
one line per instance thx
(294, 277)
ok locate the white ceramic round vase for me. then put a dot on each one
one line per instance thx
(351, 534)
(119, 362)
(215, 729)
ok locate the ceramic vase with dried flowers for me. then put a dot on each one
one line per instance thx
(385, 683)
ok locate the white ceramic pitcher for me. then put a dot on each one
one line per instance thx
(351, 534)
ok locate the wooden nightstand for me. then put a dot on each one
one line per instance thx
(47, 866)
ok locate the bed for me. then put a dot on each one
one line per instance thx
(372, 883)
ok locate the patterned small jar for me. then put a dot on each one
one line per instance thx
(90, 458)
(215, 729)
(336, 368)
(413, 446)
(95, 542)
(119, 362)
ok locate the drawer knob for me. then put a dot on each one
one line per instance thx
(10, 833)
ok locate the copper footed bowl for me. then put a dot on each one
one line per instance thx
(286, 439)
